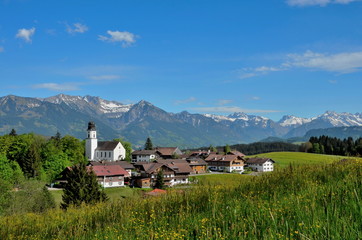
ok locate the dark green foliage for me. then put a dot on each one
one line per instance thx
(261, 147)
(81, 187)
(160, 184)
(13, 133)
(227, 149)
(335, 146)
(148, 144)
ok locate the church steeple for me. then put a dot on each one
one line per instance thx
(91, 141)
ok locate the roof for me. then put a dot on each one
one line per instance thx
(195, 161)
(107, 145)
(258, 160)
(224, 158)
(171, 160)
(123, 164)
(237, 153)
(180, 167)
(104, 170)
(144, 152)
(156, 192)
(177, 167)
(166, 151)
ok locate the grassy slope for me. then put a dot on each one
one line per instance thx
(114, 194)
(299, 202)
(283, 159)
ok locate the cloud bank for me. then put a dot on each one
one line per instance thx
(305, 3)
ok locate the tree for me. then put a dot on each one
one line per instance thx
(148, 144)
(160, 184)
(212, 148)
(13, 133)
(227, 149)
(82, 187)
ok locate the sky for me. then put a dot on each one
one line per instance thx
(261, 57)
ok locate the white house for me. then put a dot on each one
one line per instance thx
(102, 151)
(261, 164)
(109, 175)
(144, 156)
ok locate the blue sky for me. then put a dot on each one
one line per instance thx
(269, 58)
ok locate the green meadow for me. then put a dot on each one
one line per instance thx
(319, 201)
(284, 159)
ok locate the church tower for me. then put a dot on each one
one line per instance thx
(91, 141)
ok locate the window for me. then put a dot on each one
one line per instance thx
(101, 154)
(110, 178)
(109, 155)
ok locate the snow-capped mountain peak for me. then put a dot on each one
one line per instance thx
(289, 120)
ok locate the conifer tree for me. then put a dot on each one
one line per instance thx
(148, 144)
(227, 149)
(82, 187)
(160, 184)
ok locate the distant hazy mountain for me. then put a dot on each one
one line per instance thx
(135, 122)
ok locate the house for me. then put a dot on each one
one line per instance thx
(124, 164)
(144, 156)
(173, 173)
(260, 164)
(227, 163)
(102, 151)
(109, 175)
(168, 152)
(197, 164)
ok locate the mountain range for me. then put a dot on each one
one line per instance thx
(135, 122)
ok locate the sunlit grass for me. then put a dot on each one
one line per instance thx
(283, 159)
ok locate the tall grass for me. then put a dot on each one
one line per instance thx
(297, 202)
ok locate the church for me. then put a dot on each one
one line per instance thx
(108, 151)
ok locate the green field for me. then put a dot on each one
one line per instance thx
(114, 194)
(283, 159)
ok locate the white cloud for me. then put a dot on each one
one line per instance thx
(223, 102)
(184, 101)
(2, 49)
(303, 3)
(77, 28)
(231, 109)
(126, 38)
(105, 77)
(57, 86)
(333, 81)
(26, 34)
(258, 71)
(346, 62)
(255, 98)
(341, 62)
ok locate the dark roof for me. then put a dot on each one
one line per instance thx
(177, 167)
(123, 164)
(170, 160)
(224, 158)
(258, 160)
(144, 152)
(195, 161)
(107, 145)
(114, 170)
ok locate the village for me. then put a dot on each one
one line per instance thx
(106, 160)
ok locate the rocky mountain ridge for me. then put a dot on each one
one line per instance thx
(135, 122)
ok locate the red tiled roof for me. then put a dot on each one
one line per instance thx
(106, 170)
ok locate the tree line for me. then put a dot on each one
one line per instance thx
(333, 146)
